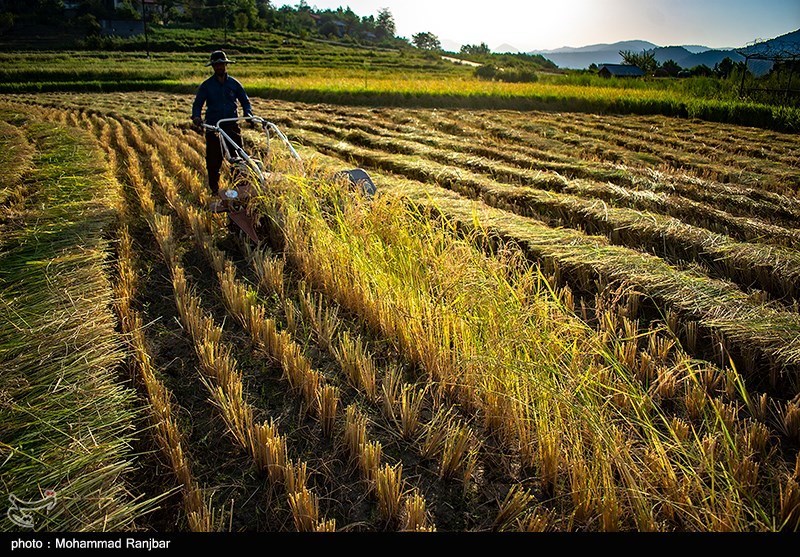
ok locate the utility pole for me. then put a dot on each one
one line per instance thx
(225, 24)
(744, 73)
(146, 36)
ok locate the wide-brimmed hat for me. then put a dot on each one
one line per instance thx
(218, 56)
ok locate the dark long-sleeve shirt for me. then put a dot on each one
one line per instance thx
(220, 99)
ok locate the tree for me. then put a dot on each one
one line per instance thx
(645, 61)
(426, 41)
(671, 67)
(702, 70)
(472, 49)
(724, 68)
(384, 27)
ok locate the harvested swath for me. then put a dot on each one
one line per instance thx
(739, 200)
(640, 192)
(16, 156)
(60, 350)
(692, 154)
(651, 193)
(663, 131)
(711, 140)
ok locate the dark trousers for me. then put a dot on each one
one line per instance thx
(214, 153)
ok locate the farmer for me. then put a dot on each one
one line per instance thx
(219, 93)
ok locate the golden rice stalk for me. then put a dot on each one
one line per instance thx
(324, 319)
(355, 430)
(295, 476)
(312, 381)
(370, 460)
(514, 505)
(755, 438)
(357, 364)
(500, 409)
(326, 526)
(435, 435)
(389, 487)
(327, 323)
(746, 473)
(695, 400)
(456, 449)
(270, 271)
(237, 297)
(269, 451)
(305, 510)
(791, 421)
(161, 226)
(238, 415)
(790, 505)
(415, 515)
(291, 314)
(537, 521)
(797, 467)
(391, 387)
(680, 429)
(276, 458)
(410, 408)
(327, 401)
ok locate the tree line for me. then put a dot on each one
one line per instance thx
(240, 15)
(647, 62)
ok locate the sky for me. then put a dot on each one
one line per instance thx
(549, 24)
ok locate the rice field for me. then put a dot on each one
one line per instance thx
(543, 322)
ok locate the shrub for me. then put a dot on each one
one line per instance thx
(487, 71)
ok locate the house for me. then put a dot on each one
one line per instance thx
(619, 70)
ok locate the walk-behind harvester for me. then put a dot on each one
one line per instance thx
(250, 175)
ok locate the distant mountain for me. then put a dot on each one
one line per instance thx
(506, 48)
(686, 59)
(696, 48)
(450, 46)
(787, 41)
(582, 57)
(687, 56)
(622, 45)
(676, 53)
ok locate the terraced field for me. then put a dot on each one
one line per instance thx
(543, 322)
